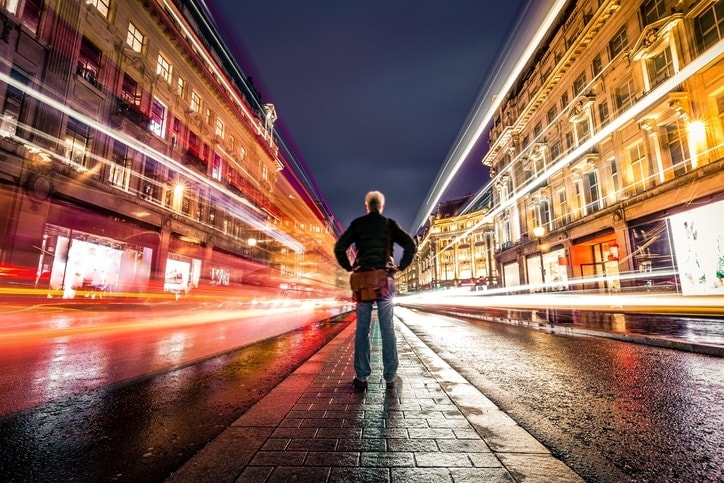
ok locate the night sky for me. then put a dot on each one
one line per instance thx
(371, 94)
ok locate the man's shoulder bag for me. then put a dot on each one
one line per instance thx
(370, 285)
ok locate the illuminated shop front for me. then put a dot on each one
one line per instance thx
(83, 264)
(684, 251)
(549, 268)
(595, 260)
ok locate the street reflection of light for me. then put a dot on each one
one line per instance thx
(623, 302)
(172, 348)
(70, 371)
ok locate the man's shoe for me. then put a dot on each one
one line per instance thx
(359, 384)
(393, 383)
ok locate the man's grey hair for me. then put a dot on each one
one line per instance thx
(375, 201)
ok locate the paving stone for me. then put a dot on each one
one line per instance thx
(421, 475)
(387, 459)
(303, 474)
(366, 475)
(442, 460)
(329, 458)
(411, 445)
(432, 427)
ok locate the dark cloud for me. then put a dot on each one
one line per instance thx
(373, 93)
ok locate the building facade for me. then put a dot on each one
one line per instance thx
(134, 154)
(606, 155)
(454, 250)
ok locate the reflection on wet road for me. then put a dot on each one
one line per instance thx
(48, 352)
(613, 411)
(144, 428)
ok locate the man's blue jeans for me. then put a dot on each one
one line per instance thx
(387, 332)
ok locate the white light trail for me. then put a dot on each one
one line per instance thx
(251, 215)
(519, 48)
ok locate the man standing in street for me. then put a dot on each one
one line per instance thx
(369, 234)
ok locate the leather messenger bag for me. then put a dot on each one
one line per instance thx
(370, 285)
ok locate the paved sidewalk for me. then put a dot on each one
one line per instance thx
(433, 427)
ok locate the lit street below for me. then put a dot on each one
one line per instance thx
(613, 411)
(113, 398)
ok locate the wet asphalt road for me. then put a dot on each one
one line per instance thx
(613, 411)
(144, 429)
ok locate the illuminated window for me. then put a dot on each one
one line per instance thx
(570, 141)
(232, 142)
(119, 174)
(583, 127)
(89, 62)
(194, 144)
(603, 112)
(130, 91)
(14, 106)
(579, 84)
(264, 173)
(151, 174)
(10, 5)
(710, 25)
(675, 144)
(31, 15)
(624, 96)
(637, 175)
(195, 101)
(77, 143)
(597, 66)
(220, 128)
(209, 116)
(563, 206)
(164, 69)
(618, 43)
(212, 211)
(158, 118)
(135, 38)
(101, 5)
(652, 11)
(555, 151)
(615, 179)
(186, 203)
(216, 167)
(181, 87)
(661, 67)
(593, 194)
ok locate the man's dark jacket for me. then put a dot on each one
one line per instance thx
(369, 235)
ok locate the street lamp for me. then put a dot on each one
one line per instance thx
(539, 231)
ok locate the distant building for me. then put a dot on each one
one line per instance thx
(454, 249)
